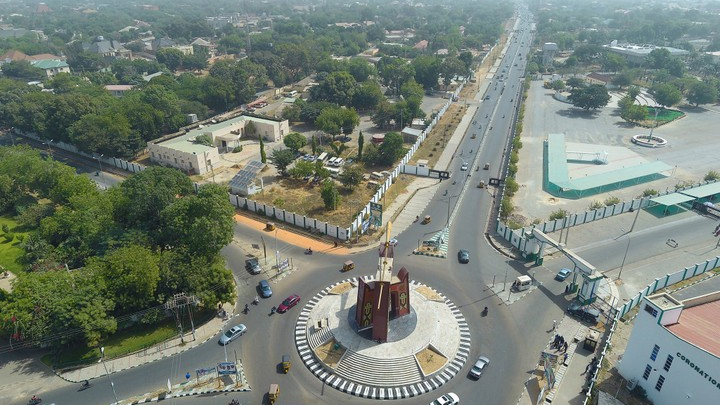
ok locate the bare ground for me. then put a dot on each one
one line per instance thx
(430, 360)
(328, 354)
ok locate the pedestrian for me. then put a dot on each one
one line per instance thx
(565, 357)
(565, 346)
(587, 368)
(554, 325)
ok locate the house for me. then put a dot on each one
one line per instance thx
(636, 54)
(159, 43)
(411, 135)
(674, 350)
(600, 78)
(118, 90)
(107, 48)
(421, 45)
(52, 67)
(180, 150)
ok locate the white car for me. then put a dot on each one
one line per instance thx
(464, 167)
(450, 398)
(393, 242)
(232, 334)
(479, 366)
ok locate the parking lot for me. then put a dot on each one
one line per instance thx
(688, 148)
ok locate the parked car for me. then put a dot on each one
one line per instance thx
(289, 302)
(479, 366)
(265, 290)
(585, 313)
(463, 256)
(253, 265)
(232, 334)
(450, 398)
(563, 274)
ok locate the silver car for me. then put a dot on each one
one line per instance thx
(232, 334)
(479, 366)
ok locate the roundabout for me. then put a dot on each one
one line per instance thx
(421, 343)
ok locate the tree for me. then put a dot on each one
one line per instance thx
(360, 69)
(321, 171)
(575, 82)
(199, 224)
(131, 275)
(467, 58)
(633, 113)
(394, 72)
(351, 177)
(593, 96)
(144, 195)
(702, 93)
(295, 141)
(613, 62)
(108, 134)
(282, 158)
(170, 57)
(263, 156)
(557, 85)
(302, 169)
(451, 67)
(427, 71)
(329, 194)
(666, 94)
(314, 145)
(368, 96)
(336, 120)
(337, 87)
(22, 70)
(361, 142)
(391, 149)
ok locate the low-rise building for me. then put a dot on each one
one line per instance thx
(182, 151)
(52, 67)
(674, 350)
(636, 54)
(118, 90)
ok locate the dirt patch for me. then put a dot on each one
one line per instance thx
(341, 288)
(428, 293)
(434, 144)
(430, 360)
(330, 353)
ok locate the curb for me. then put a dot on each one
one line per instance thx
(187, 394)
(442, 376)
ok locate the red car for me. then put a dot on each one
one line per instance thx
(289, 302)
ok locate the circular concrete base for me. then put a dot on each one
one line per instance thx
(648, 141)
(425, 349)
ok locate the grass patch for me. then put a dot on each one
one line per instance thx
(665, 115)
(10, 251)
(124, 342)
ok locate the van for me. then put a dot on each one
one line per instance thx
(376, 175)
(322, 157)
(331, 161)
(339, 162)
(333, 172)
(522, 283)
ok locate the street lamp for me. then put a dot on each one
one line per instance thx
(48, 147)
(102, 360)
(99, 164)
(222, 330)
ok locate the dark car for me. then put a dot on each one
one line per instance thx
(289, 302)
(463, 256)
(585, 313)
(265, 289)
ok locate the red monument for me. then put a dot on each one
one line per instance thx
(385, 298)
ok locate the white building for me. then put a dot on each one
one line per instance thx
(674, 350)
(636, 54)
(182, 152)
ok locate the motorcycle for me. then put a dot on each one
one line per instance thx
(247, 309)
(308, 251)
(85, 385)
(272, 310)
(234, 402)
(485, 311)
(34, 400)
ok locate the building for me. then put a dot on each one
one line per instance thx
(52, 67)
(549, 50)
(181, 151)
(636, 54)
(674, 350)
(118, 90)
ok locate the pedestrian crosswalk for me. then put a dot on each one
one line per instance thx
(441, 240)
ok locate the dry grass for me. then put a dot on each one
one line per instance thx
(341, 288)
(428, 293)
(328, 354)
(303, 198)
(433, 146)
(430, 360)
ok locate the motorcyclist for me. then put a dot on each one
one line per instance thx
(485, 311)
(309, 250)
(272, 310)
(256, 300)
(86, 383)
(247, 308)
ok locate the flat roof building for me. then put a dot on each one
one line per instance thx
(181, 150)
(636, 54)
(674, 350)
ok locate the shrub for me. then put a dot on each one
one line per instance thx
(512, 170)
(278, 202)
(237, 149)
(9, 236)
(683, 184)
(612, 201)
(514, 157)
(712, 175)
(5, 228)
(517, 143)
(511, 186)
(649, 192)
(558, 214)
(595, 205)
(506, 208)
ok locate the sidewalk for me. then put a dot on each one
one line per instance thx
(169, 348)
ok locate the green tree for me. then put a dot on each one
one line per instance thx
(131, 275)
(330, 194)
(575, 82)
(451, 67)
(360, 69)
(634, 113)
(702, 93)
(361, 143)
(295, 141)
(263, 156)
(302, 169)
(613, 62)
(314, 145)
(427, 71)
(351, 177)
(103, 133)
(593, 96)
(557, 85)
(282, 158)
(394, 72)
(666, 94)
(337, 87)
(321, 171)
(22, 70)
(368, 96)
(336, 120)
(200, 224)
(170, 57)
(391, 149)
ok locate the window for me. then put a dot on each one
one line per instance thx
(654, 353)
(668, 363)
(646, 374)
(650, 310)
(660, 382)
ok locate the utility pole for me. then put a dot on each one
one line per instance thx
(176, 303)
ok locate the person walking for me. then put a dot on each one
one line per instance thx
(554, 325)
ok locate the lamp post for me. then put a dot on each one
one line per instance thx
(102, 360)
(277, 254)
(49, 148)
(654, 125)
(624, 257)
(222, 330)
(99, 164)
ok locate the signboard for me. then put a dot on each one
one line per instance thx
(365, 225)
(226, 368)
(284, 264)
(376, 214)
(204, 371)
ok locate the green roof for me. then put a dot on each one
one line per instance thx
(50, 64)
(703, 191)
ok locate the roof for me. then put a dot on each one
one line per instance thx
(412, 131)
(697, 326)
(600, 77)
(671, 199)
(703, 191)
(246, 176)
(50, 64)
(118, 87)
